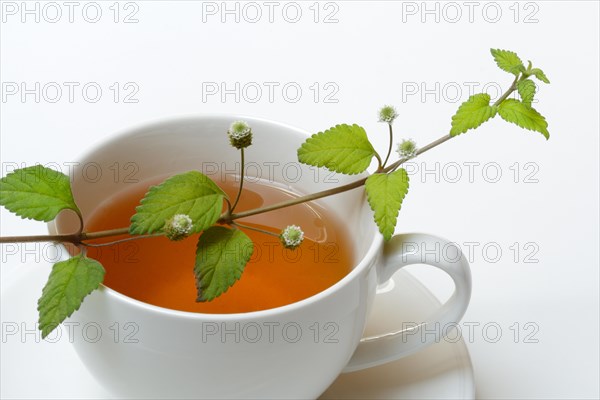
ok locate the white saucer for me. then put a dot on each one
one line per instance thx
(32, 368)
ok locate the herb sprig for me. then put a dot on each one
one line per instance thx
(191, 203)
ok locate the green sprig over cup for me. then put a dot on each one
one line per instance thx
(191, 204)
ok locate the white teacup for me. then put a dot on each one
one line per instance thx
(295, 351)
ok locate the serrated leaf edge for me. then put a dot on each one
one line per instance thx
(47, 329)
(544, 132)
(332, 166)
(387, 235)
(68, 205)
(494, 111)
(136, 229)
(200, 294)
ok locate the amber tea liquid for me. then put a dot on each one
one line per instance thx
(160, 272)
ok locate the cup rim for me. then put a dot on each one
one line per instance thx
(138, 128)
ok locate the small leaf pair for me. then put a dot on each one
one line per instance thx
(40, 193)
(221, 253)
(510, 62)
(477, 109)
(347, 149)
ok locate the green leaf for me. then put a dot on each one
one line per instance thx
(221, 256)
(523, 115)
(472, 113)
(385, 193)
(191, 193)
(36, 192)
(69, 283)
(539, 74)
(342, 148)
(508, 61)
(526, 89)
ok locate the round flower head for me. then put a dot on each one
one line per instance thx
(178, 227)
(407, 148)
(387, 114)
(240, 135)
(291, 237)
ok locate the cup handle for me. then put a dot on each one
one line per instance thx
(400, 251)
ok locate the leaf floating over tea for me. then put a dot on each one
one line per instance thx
(343, 148)
(69, 283)
(191, 193)
(221, 256)
(385, 193)
(37, 192)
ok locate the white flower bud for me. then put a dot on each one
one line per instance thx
(387, 114)
(240, 135)
(407, 148)
(178, 227)
(291, 237)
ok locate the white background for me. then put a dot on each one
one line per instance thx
(376, 53)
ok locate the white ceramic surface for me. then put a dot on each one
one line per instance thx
(442, 371)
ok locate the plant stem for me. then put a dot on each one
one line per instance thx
(255, 229)
(237, 199)
(387, 157)
(298, 200)
(103, 234)
(69, 238)
(511, 89)
(360, 182)
(129, 239)
(380, 166)
(81, 223)
(74, 238)
(329, 192)
(420, 151)
(228, 217)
